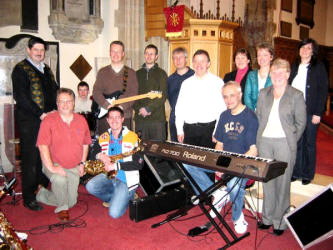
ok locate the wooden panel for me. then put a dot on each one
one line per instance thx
(287, 5)
(286, 48)
(155, 3)
(305, 9)
(303, 32)
(155, 25)
(153, 13)
(152, 17)
(285, 29)
(211, 48)
(226, 58)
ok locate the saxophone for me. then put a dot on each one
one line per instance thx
(10, 239)
(95, 167)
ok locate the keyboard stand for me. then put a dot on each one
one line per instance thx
(204, 198)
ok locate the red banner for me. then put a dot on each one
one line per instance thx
(174, 20)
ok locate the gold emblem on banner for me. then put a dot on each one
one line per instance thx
(174, 19)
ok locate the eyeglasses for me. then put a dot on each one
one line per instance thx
(65, 101)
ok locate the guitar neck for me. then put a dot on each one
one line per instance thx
(129, 99)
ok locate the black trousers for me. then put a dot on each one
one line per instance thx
(173, 131)
(151, 130)
(31, 165)
(199, 134)
(305, 166)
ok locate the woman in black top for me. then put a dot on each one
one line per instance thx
(309, 75)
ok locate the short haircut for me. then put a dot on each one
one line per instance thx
(33, 40)
(245, 52)
(180, 50)
(202, 52)
(315, 48)
(65, 91)
(152, 46)
(280, 63)
(233, 84)
(118, 43)
(82, 84)
(267, 46)
(116, 108)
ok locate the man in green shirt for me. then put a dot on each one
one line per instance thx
(149, 117)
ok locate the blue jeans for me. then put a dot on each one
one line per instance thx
(113, 191)
(235, 187)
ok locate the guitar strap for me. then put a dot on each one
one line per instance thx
(125, 78)
(95, 108)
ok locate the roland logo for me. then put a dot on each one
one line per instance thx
(194, 156)
(170, 152)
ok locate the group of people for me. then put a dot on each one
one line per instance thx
(272, 112)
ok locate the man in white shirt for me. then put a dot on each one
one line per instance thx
(198, 108)
(199, 104)
(82, 101)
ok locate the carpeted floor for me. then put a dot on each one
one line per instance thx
(93, 229)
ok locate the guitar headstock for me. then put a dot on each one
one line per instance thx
(154, 94)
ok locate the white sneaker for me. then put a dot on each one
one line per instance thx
(221, 197)
(106, 204)
(240, 225)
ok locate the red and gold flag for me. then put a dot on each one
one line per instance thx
(174, 20)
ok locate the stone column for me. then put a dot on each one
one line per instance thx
(129, 18)
(98, 8)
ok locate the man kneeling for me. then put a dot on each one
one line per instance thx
(116, 192)
(63, 142)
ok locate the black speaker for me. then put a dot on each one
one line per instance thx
(156, 204)
(159, 175)
(312, 222)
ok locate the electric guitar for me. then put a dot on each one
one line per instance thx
(114, 101)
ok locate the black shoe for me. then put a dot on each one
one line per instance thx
(278, 232)
(306, 182)
(263, 226)
(293, 179)
(33, 205)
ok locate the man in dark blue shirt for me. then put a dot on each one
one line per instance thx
(174, 82)
(236, 132)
